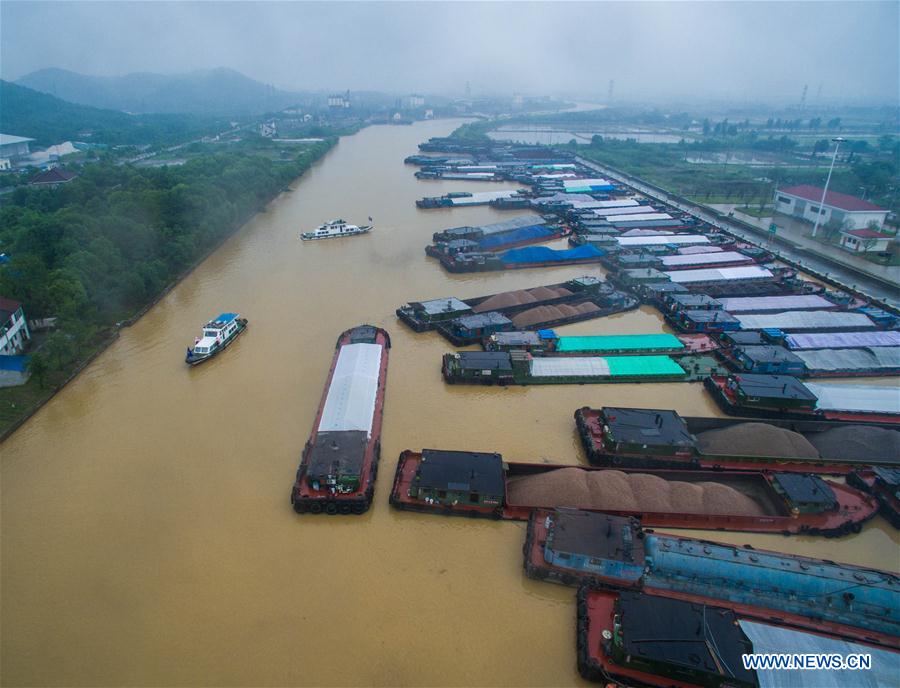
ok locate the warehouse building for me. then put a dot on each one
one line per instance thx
(805, 201)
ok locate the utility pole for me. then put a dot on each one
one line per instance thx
(837, 142)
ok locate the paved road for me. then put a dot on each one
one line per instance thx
(842, 275)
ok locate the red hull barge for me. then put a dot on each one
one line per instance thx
(435, 251)
(844, 509)
(884, 484)
(600, 443)
(538, 568)
(730, 403)
(340, 460)
(645, 639)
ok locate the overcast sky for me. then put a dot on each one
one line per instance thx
(653, 50)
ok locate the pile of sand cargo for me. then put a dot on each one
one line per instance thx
(520, 297)
(543, 314)
(756, 439)
(858, 442)
(637, 492)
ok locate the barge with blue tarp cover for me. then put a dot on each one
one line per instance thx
(568, 546)
(784, 396)
(471, 329)
(522, 368)
(478, 232)
(708, 500)
(548, 343)
(521, 236)
(517, 258)
(644, 639)
(340, 460)
(218, 333)
(422, 316)
(661, 438)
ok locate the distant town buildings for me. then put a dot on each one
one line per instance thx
(13, 148)
(412, 102)
(268, 129)
(851, 212)
(339, 101)
(13, 328)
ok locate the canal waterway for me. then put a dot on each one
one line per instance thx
(147, 533)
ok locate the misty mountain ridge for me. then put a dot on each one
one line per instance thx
(211, 92)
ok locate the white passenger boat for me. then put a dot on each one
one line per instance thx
(334, 229)
(217, 334)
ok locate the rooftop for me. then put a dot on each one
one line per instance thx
(484, 360)
(769, 354)
(53, 176)
(461, 471)
(866, 233)
(647, 427)
(773, 386)
(710, 315)
(596, 535)
(437, 306)
(339, 453)
(834, 199)
(8, 139)
(805, 488)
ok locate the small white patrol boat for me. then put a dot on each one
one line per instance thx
(217, 334)
(334, 229)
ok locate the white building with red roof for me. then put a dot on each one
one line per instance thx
(805, 201)
(13, 328)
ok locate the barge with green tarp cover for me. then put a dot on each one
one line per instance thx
(548, 343)
(568, 546)
(523, 368)
(422, 316)
(642, 639)
(657, 438)
(783, 396)
(481, 484)
(340, 460)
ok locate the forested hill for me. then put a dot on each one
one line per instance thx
(208, 92)
(95, 251)
(49, 120)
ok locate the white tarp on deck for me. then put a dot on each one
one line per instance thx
(566, 366)
(637, 217)
(742, 304)
(593, 205)
(578, 183)
(876, 358)
(483, 197)
(842, 340)
(662, 239)
(627, 211)
(778, 640)
(706, 258)
(350, 404)
(835, 397)
(804, 320)
(719, 274)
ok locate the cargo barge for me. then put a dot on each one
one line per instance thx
(656, 438)
(422, 316)
(546, 342)
(340, 460)
(783, 396)
(884, 483)
(465, 198)
(523, 368)
(778, 360)
(480, 484)
(640, 639)
(569, 546)
(472, 329)
(522, 236)
(518, 258)
(479, 232)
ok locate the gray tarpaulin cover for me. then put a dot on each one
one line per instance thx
(836, 397)
(842, 340)
(801, 320)
(851, 359)
(742, 304)
(883, 674)
(350, 404)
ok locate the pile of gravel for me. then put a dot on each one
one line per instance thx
(612, 490)
(858, 442)
(542, 314)
(520, 297)
(756, 439)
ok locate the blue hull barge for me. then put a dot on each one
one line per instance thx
(569, 546)
(218, 333)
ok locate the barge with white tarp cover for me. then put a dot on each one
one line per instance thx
(465, 198)
(802, 321)
(479, 484)
(661, 438)
(784, 396)
(842, 340)
(641, 639)
(477, 232)
(340, 460)
(789, 302)
(569, 546)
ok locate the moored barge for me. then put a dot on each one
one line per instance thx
(340, 460)
(884, 483)
(546, 342)
(783, 396)
(568, 546)
(642, 639)
(519, 258)
(422, 316)
(483, 485)
(656, 438)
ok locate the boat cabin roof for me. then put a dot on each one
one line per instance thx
(803, 488)
(688, 635)
(484, 360)
(459, 471)
(653, 427)
(709, 315)
(773, 386)
(574, 531)
(768, 353)
(695, 300)
(889, 476)
(222, 320)
(438, 306)
(339, 453)
(746, 337)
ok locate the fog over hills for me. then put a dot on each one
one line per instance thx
(212, 91)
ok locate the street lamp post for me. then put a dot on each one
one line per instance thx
(837, 142)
